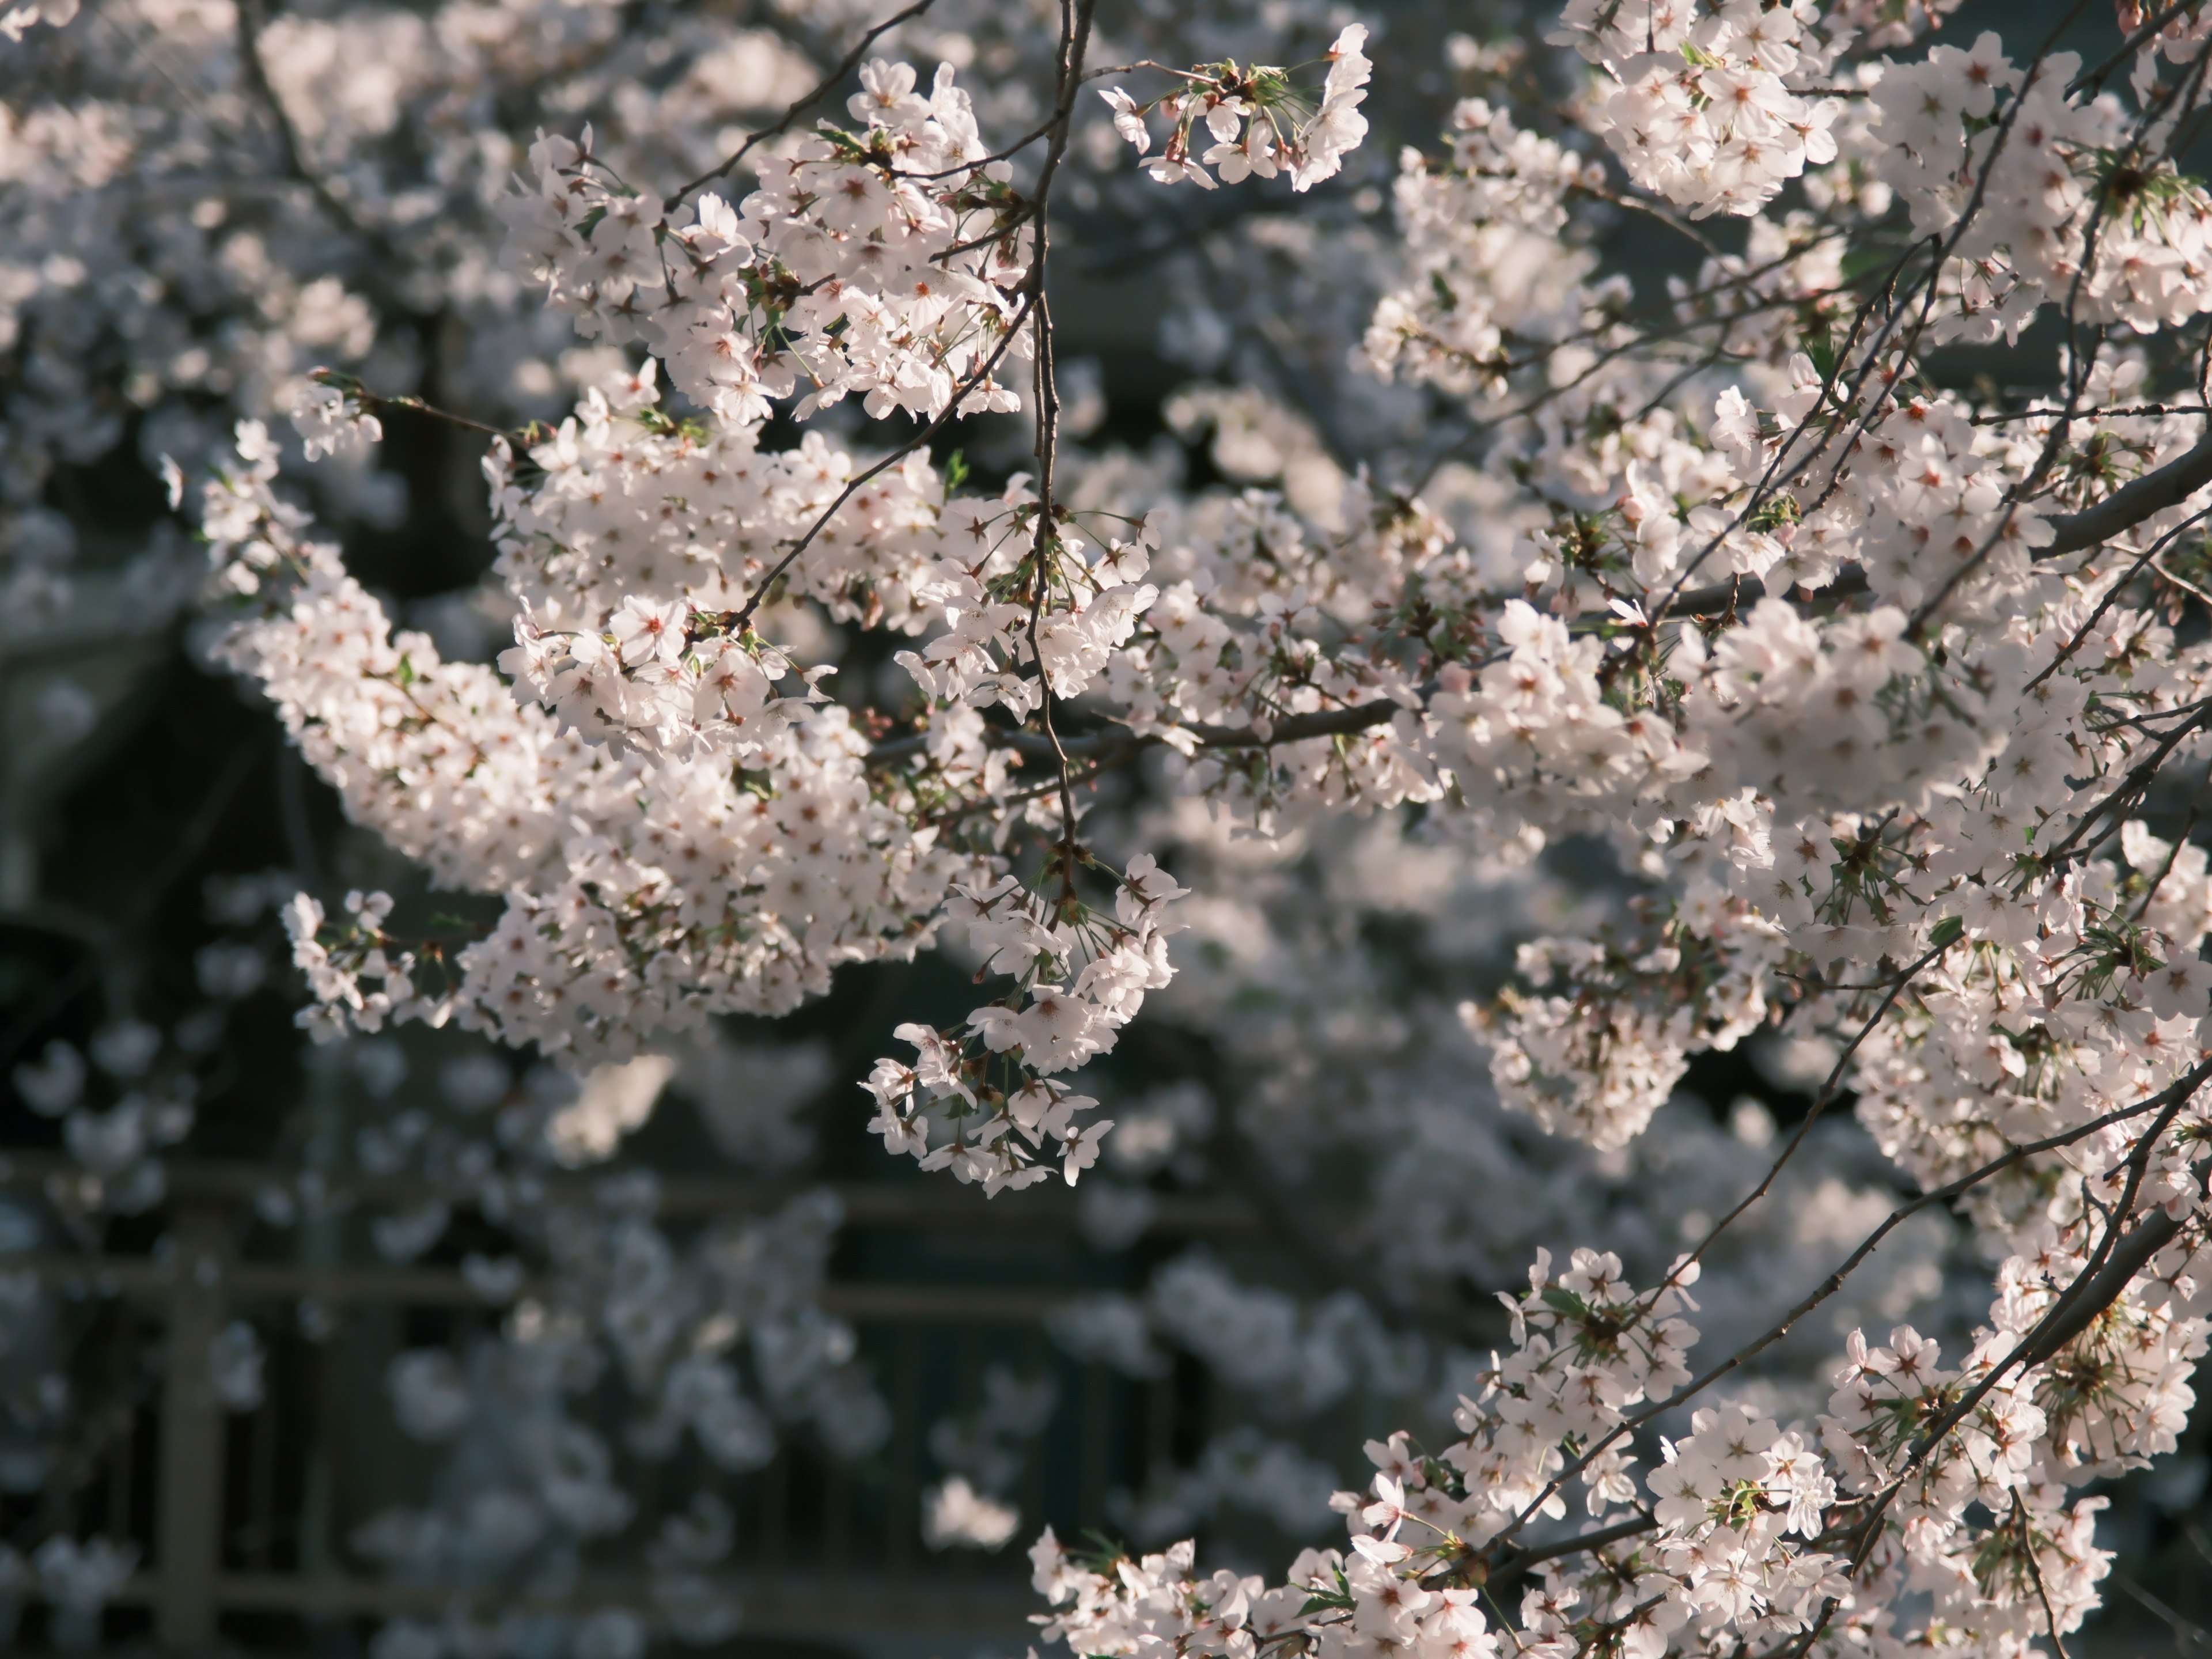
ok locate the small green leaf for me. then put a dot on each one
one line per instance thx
(1822, 350)
(1948, 932)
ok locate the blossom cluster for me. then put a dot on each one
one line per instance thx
(1754, 1533)
(2080, 205)
(1258, 124)
(1491, 280)
(1710, 112)
(864, 264)
(990, 1084)
(441, 759)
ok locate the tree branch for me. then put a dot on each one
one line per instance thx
(2128, 507)
(1295, 728)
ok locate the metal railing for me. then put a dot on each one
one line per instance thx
(245, 1515)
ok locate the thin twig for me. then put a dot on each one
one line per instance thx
(2112, 595)
(798, 107)
(736, 620)
(2078, 370)
(2035, 1569)
(1074, 40)
(1828, 1093)
(2184, 1630)
(1295, 728)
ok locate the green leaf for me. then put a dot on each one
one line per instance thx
(1948, 932)
(1862, 257)
(1098, 1552)
(955, 471)
(1822, 350)
(1565, 1302)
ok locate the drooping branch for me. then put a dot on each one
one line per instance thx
(2166, 1101)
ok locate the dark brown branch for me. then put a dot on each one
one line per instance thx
(1714, 598)
(2128, 506)
(1295, 728)
(2035, 1570)
(1521, 1560)
(2087, 1297)
(1074, 40)
(2111, 1267)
